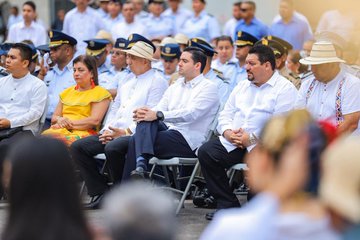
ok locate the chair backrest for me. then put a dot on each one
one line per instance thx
(214, 123)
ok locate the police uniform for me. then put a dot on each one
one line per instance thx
(204, 25)
(3, 72)
(215, 76)
(110, 79)
(243, 39)
(96, 47)
(159, 27)
(58, 80)
(169, 52)
(280, 50)
(228, 69)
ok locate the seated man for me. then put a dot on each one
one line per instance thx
(22, 100)
(249, 106)
(332, 93)
(144, 87)
(178, 125)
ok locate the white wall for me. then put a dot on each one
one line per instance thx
(222, 9)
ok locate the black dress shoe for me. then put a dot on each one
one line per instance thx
(138, 174)
(204, 200)
(95, 202)
(209, 216)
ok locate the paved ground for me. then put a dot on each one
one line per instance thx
(191, 220)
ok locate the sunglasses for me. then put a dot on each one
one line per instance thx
(244, 9)
(117, 53)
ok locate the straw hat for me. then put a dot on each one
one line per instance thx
(141, 49)
(181, 38)
(340, 184)
(102, 34)
(167, 40)
(321, 52)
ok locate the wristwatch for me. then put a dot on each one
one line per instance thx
(252, 139)
(160, 116)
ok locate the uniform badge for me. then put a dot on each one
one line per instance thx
(130, 37)
(239, 33)
(91, 43)
(167, 50)
(51, 34)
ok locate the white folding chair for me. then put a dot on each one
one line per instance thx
(243, 189)
(175, 162)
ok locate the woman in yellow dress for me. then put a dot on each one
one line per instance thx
(81, 108)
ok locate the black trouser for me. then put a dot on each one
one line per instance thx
(214, 160)
(5, 146)
(155, 139)
(83, 152)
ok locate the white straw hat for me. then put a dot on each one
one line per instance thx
(141, 49)
(167, 40)
(321, 52)
(340, 182)
(181, 38)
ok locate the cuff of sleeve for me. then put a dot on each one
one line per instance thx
(222, 129)
(132, 128)
(14, 123)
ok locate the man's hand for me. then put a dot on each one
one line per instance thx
(144, 114)
(235, 137)
(43, 70)
(4, 123)
(108, 136)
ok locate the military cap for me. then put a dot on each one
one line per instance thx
(58, 38)
(284, 43)
(170, 51)
(5, 47)
(43, 48)
(156, 1)
(203, 45)
(332, 37)
(245, 39)
(277, 48)
(96, 46)
(133, 38)
(121, 43)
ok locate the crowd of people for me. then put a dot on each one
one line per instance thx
(135, 82)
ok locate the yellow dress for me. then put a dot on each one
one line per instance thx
(76, 106)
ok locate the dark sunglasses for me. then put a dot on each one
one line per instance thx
(244, 9)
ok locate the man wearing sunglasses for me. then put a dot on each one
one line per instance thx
(249, 23)
(118, 71)
(97, 48)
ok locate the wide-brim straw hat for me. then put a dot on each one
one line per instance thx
(340, 183)
(181, 38)
(322, 52)
(141, 49)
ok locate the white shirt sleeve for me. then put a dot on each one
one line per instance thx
(38, 102)
(202, 103)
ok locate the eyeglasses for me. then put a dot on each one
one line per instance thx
(117, 53)
(244, 9)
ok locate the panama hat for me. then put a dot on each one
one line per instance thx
(141, 49)
(181, 38)
(340, 183)
(322, 52)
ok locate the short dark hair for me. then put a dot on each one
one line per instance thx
(25, 51)
(90, 63)
(265, 54)
(253, 4)
(197, 55)
(224, 38)
(237, 4)
(31, 4)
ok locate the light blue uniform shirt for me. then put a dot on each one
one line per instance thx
(178, 17)
(222, 86)
(296, 32)
(241, 74)
(205, 26)
(229, 70)
(159, 26)
(256, 28)
(57, 81)
(111, 22)
(103, 68)
(108, 79)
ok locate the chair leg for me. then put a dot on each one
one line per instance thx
(152, 171)
(231, 176)
(187, 189)
(166, 175)
(82, 188)
(176, 176)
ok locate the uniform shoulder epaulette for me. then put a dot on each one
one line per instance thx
(3, 72)
(219, 74)
(210, 15)
(158, 70)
